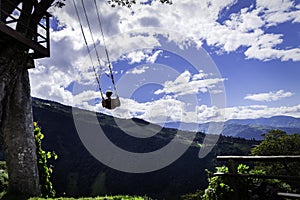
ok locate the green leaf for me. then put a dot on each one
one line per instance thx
(48, 155)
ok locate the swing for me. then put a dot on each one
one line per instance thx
(110, 103)
(107, 103)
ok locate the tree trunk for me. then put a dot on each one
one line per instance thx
(16, 123)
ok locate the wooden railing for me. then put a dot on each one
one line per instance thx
(40, 41)
(233, 162)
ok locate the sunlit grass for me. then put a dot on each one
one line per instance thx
(119, 197)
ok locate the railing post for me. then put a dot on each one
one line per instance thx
(232, 169)
(232, 166)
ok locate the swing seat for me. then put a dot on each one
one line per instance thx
(111, 103)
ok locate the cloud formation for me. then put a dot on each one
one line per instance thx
(186, 83)
(138, 70)
(169, 109)
(141, 55)
(247, 27)
(270, 96)
(186, 22)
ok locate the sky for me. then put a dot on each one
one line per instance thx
(192, 61)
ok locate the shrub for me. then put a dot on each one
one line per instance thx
(3, 178)
(45, 171)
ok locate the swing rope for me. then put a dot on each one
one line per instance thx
(111, 76)
(88, 49)
(105, 47)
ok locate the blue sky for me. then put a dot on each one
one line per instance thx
(192, 61)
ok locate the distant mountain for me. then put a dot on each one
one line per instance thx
(246, 128)
(276, 121)
(77, 173)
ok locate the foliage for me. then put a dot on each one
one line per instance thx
(218, 187)
(3, 178)
(278, 142)
(222, 187)
(59, 4)
(193, 196)
(45, 171)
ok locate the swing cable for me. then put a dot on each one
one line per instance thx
(92, 37)
(106, 50)
(88, 49)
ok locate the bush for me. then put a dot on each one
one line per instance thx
(3, 178)
(45, 171)
(193, 196)
(221, 187)
(277, 142)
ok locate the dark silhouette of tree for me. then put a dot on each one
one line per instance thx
(16, 123)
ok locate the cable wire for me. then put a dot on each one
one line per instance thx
(88, 49)
(105, 47)
(94, 44)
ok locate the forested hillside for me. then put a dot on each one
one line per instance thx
(78, 173)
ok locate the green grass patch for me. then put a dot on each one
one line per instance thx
(119, 197)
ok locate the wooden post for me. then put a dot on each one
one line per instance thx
(232, 169)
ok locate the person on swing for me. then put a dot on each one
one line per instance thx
(110, 103)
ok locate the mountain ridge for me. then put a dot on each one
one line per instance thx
(246, 128)
(78, 173)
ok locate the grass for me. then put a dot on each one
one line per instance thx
(118, 197)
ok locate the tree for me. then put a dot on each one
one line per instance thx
(16, 121)
(275, 143)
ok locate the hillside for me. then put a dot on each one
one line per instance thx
(78, 173)
(249, 128)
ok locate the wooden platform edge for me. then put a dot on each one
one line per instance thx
(38, 49)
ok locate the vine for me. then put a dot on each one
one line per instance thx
(45, 172)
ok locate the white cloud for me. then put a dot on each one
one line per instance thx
(185, 84)
(200, 75)
(245, 21)
(85, 96)
(199, 21)
(269, 53)
(142, 55)
(253, 112)
(270, 96)
(162, 110)
(136, 57)
(277, 11)
(50, 83)
(153, 58)
(138, 70)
